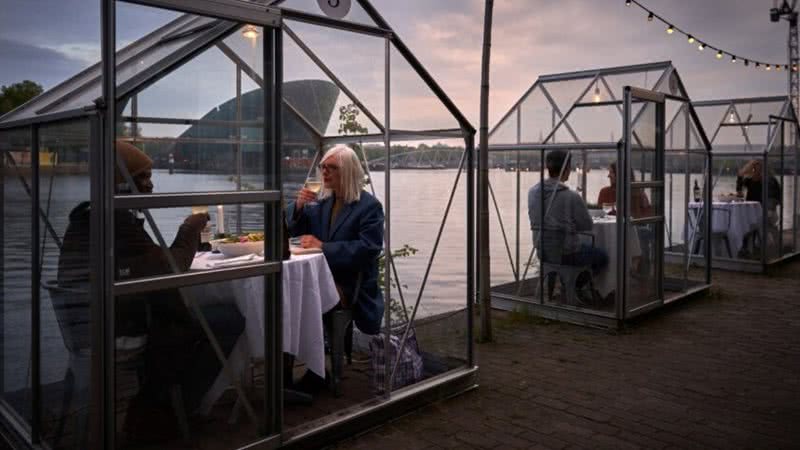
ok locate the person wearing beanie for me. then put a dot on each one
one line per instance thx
(176, 352)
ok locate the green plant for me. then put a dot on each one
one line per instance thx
(348, 120)
(397, 312)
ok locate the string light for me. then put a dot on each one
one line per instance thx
(596, 93)
(671, 29)
(731, 118)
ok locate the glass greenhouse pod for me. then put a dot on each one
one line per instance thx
(122, 329)
(754, 145)
(580, 242)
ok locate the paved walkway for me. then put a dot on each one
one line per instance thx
(715, 372)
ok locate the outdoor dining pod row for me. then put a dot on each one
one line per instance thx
(662, 241)
(233, 103)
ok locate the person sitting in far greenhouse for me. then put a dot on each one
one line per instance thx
(750, 176)
(566, 217)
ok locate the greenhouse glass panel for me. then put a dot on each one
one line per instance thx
(17, 270)
(65, 280)
(538, 117)
(414, 106)
(356, 59)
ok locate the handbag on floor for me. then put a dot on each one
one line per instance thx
(409, 368)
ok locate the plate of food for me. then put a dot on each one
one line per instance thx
(239, 245)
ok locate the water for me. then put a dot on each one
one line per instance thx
(419, 199)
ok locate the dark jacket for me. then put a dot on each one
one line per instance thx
(755, 190)
(351, 246)
(137, 256)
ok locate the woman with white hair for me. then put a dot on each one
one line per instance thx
(346, 222)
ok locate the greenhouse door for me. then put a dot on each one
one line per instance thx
(640, 195)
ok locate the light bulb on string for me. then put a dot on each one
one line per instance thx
(731, 118)
(627, 2)
(769, 67)
(746, 62)
(670, 29)
(733, 58)
(758, 64)
(691, 39)
(650, 17)
(701, 46)
(719, 54)
(596, 97)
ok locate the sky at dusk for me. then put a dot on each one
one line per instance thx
(48, 41)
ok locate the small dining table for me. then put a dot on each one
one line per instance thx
(308, 291)
(604, 230)
(736, 219)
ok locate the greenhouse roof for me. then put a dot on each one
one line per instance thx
(586, 108)
(306, 50)
(744, 125)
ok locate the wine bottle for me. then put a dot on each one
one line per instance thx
(696, 192)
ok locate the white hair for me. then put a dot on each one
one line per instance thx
(351, 174)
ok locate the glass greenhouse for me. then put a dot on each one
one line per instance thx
(591, 247)
(753, 139)
(232, 103)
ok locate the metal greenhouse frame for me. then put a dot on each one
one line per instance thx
(95, 100)
(763, 129)
(660, 134)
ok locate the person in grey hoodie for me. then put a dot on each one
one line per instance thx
(565, 217)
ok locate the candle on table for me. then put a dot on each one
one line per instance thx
(220, 220)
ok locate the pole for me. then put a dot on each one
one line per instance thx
(483, 182)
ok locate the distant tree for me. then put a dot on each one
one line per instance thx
(16, 94)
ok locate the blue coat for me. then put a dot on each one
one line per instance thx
(351, 246)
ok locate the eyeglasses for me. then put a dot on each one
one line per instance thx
(331, 167)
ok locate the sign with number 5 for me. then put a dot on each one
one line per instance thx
(334, 8)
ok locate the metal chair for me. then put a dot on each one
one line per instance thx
(71, 306)
(551, 255)
(717, 233)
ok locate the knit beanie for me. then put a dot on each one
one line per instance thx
(134, 159)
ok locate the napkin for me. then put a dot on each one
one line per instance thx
(245, 259)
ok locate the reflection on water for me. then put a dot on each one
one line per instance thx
(418, 201)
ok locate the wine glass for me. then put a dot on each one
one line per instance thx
(314, 185)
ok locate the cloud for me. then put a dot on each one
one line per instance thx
(84, 53)
(21, 61)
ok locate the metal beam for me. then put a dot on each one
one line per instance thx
(328, 22)
(141, 201)
(236, 10)
(174, 281)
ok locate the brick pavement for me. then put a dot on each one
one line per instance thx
(721, 371)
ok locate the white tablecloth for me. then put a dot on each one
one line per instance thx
(308, 292)
(605, 237)
(745, 217)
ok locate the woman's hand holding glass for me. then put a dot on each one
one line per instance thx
(304, 196)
